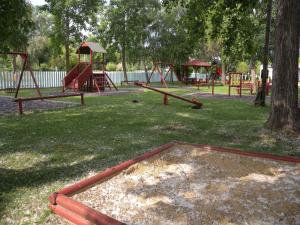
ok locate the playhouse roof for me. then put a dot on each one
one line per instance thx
(197, 63)
(86, 46)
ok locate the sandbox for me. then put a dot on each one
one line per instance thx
(180, 183)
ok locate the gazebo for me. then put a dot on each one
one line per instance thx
(196, 64)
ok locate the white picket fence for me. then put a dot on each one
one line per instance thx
(49, 79)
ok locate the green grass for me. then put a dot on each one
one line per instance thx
(43, 152)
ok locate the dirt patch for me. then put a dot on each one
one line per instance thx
(192, 185)
(7, 105)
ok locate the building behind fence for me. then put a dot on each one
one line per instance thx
(50, 79)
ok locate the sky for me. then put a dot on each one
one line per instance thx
(38, 2)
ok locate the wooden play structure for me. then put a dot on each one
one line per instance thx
(25, 67)
(157, 67)
(83, 77)
(166, 94)
(235, 80)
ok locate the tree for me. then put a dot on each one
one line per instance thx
(284, 100)
(170, 40)
(71, 17)
(15, 25)
(126, 27)
(261, 94)
(39, 44)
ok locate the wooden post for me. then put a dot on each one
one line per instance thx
(22, 73)
(20, 103)
(91, 56)
(229, 86)
(81, 98)
(241, 81)
(165, 99)
(34, 81)
(213, 86)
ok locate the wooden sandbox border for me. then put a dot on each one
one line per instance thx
(63, 205)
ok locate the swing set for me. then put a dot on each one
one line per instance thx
(27, 67)
(157, 67)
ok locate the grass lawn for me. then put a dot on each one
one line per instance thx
(42, 152)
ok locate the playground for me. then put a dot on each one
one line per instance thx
(52, 171)
(153, 112)
(59, 147)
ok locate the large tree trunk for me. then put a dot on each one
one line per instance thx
(284, 112)
(261, 94)
(67, 49)
(123, 53)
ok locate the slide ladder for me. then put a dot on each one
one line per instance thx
(102, 80)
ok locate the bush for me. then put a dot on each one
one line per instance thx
(242, 67)
(111, 67)
(44, 66)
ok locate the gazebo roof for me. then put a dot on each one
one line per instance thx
(197, 63)
(86, 46)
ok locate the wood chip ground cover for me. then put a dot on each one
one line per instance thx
(189, 185)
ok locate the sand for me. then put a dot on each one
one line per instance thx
(191, 185)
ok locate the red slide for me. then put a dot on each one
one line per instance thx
(77, 76)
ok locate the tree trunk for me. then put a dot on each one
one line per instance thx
(14, 65)
(252, 74)
(123, 53)
(253, 78)
(146, 72)
(67, 43)
(223, 73)
(284, 110)
(67, 48)
(261, 94)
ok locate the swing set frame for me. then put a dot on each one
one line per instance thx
(157, 68)
(25, 67)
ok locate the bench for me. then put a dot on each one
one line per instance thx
(247, 87)
(21, 100)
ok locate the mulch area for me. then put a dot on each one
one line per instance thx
(8, 106)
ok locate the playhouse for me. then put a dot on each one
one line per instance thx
(88, 75)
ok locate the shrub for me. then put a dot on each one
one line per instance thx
(111, 67)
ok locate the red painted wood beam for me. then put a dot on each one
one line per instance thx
(85, 183)
(85, 212)
(72, 217)
(244, 153)
(80, 214)
(199, 104)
